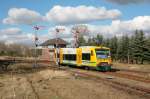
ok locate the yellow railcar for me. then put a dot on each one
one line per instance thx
(97, 57)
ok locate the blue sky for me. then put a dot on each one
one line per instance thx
(128, 12)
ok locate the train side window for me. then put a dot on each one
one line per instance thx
(85, 56)
(64, 57)
(69, 57)
(72, 57)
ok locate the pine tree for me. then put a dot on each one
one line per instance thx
(113, 44)
(99, 39)
(106, 42)
(146, 53)
(131, 50)
(138, 46)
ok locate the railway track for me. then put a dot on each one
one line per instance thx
(5, 63)
(94, 75)
(129, 76)
(116, 84)
(138, 90)
(134, 71)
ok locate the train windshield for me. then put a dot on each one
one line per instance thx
(102, 53)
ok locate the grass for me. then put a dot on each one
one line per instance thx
(132, 66)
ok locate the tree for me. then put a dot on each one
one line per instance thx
(113, 44)
(89, 42)
(81, 41)
(139, 46)
(15, 50)
(106, 42)
(79, 31)
(147, 49)
(99, 39)
(2, 48)
(123, 49)
(131, 50)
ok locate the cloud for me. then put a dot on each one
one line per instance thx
(65, 33)
(116, 28)
(120, 28)
(15, 35)
(20, 39)
(10, 31)
(80, 14)
(26, 38)
(125, 2)
(22, 16)
(61, 15)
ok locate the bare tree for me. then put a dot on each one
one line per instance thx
(79, 31)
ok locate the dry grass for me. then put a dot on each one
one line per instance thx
(54, 84)
(140, 67)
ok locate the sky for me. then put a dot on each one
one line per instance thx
(106, 17)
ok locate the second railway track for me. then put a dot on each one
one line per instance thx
(139, 90)
(129, 76)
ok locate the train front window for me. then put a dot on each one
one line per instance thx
(102, 53)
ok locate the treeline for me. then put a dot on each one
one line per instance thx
(17, 50)
(126, 49)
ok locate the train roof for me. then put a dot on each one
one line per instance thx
(94, 47)
(84, 47)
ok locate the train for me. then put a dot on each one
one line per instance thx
(89, 57)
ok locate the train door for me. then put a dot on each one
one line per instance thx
(79, 56)
(61, 56)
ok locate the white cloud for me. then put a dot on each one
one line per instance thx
(10, 31)
(125, 2)
(119, 27)
(63, 15)
(22, 16)
(14, 35)
(21, 38)
(65, 33)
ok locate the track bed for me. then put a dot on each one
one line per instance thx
(49, 82)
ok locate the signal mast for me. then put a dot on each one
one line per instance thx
(36, 28)
(57, 31)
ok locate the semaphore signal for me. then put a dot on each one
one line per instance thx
(36, 28)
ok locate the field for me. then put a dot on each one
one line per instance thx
(139, 67)
(22, 81)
